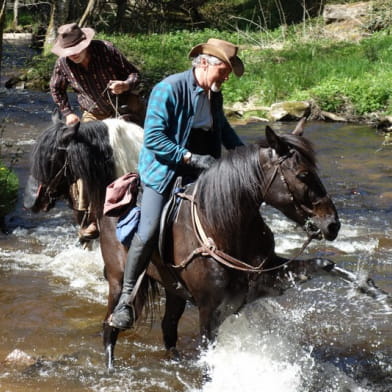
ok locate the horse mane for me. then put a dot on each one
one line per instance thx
(299, 143)
(126, 139)
(89, 157)
(229, 190)
(221, 194)
(43, 159)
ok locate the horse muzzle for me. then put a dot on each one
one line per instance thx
(34, 196)
(327, 228)
(31, 193)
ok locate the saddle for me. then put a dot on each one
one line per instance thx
(123, 199)
(169, 214)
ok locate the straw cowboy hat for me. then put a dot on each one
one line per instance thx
(72, 39)
(223, 50)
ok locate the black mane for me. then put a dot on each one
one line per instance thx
(232, 187)
(299, 143)
(88, 153)
(229, 187)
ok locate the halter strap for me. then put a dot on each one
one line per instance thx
(56, 179)
(297, 204)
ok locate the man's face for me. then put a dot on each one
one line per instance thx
(216, 75)
(79, 57)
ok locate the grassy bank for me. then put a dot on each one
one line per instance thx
(9, 181)
(348, 78)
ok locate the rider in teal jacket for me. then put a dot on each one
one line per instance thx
(185, 128)
(171, 110)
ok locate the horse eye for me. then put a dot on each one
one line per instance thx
(303, 175)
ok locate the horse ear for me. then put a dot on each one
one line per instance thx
(69, 133)
(275, 142)
(299, 129)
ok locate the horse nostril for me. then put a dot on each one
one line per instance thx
(334, 227)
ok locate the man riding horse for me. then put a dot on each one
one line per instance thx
(185, 128)
(95, 69)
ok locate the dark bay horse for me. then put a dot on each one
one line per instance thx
(219, 253)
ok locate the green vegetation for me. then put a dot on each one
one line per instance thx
(9, 185)
(9, 182)
(347, 77)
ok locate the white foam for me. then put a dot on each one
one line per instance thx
(59, 253)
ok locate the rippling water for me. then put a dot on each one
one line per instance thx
(321, 336)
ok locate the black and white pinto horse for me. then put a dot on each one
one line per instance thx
(97, 152)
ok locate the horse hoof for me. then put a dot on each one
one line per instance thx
(173, 354)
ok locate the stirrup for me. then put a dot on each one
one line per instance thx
(90, 232)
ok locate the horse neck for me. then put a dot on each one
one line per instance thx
(229, 197)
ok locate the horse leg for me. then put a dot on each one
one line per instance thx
(114, 256)
(110, 335)
(174, 309)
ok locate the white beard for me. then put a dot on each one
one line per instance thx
(215, 88)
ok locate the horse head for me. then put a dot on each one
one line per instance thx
(95, 152)
(50, 176)
(293, 185)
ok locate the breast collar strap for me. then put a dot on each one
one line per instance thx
(208, 247)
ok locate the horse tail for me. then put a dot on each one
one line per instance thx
(146, 306)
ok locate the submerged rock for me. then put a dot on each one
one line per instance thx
(289, 111)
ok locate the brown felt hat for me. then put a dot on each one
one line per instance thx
(72, 39)
(223, 50)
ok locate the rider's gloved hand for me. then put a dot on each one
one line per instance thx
(202, 162)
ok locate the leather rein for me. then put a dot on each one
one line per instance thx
(208, 247)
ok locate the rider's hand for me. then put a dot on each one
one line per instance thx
(71, 119)
(201, 161)
(118, 86)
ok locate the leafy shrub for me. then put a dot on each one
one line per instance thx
(9, 184)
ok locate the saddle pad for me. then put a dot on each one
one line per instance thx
(127, 225)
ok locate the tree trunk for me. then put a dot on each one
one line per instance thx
(91, 5)
(16, 14)
(2, 19)
(121, 7)
(58, 16)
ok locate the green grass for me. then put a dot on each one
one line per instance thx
(339, 77)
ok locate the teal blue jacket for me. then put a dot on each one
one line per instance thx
(170, 112)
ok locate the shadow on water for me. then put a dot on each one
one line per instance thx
(323, 335)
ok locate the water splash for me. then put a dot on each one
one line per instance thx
(266, 348)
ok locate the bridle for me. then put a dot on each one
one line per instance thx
(298, 205)
(50, 189)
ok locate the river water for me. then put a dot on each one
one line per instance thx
(322, 336)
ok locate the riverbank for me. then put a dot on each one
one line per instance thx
(335, 71)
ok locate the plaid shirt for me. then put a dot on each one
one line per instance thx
(106, 63)
(169, 120)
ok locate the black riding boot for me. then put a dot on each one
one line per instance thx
(139, 255)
